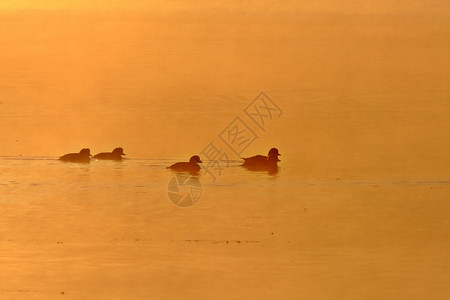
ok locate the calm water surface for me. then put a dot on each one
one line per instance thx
(108, 229)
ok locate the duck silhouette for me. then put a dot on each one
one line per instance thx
(82, 157)
(262, 162)
(191, 167)
(116, 154)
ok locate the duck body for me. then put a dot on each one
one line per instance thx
(116, 154)
(262, 162)
(189, 167)
(256, 160)
(82, 157)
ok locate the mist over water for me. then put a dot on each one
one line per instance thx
(358, 208)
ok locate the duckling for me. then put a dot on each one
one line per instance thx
(116, 154)
(261, 162)
(82, 157)
(190, 167)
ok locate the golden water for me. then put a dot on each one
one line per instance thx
(358, 210)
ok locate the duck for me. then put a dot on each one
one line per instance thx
(116, 154)
(262, 162)
(82, 157)
(189, 167)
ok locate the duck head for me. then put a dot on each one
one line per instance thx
(273, 154)
(195, 159)
(118, 151)
(85, 152)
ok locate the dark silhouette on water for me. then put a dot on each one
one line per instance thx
(263, 163)
(191, 167)
(116, 154)
(82, 157)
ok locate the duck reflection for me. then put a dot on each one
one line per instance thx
(263, 163)
(190, 167)
(82, 157)
(116, 154)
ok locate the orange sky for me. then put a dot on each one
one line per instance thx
(105, 80)
(418, 7)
